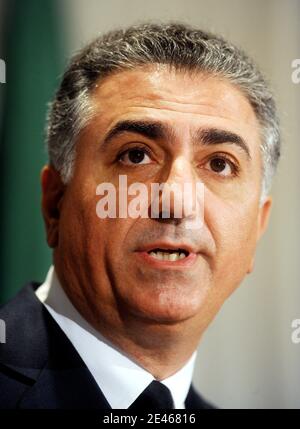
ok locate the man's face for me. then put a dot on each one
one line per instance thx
(169, 127)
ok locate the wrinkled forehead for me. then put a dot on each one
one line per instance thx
(185, 101)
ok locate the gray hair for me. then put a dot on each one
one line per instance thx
(181, 47)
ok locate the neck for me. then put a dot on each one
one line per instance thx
(161, 348)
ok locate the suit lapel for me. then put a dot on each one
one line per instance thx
(195, 401)
(45, 360)
(64, 389)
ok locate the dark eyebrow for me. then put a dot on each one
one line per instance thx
(212, 136)
(151, 130)
(157, 130)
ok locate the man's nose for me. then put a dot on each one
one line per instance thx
(179, 193)
(181, 171)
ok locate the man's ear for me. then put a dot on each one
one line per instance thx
(264, 216)
(52, 194)
(262, 223)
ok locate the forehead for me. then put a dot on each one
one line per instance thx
(184, 100)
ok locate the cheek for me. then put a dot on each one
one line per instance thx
(234, 230)
(79, 225)
(83, 229)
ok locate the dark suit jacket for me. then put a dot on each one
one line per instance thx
(40, 368)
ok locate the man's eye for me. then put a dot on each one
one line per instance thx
(222, 166)
(134, 156)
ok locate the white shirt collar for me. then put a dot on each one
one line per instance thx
(120, 379)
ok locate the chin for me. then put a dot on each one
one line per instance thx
(168, 309)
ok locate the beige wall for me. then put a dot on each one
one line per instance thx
(246, 358)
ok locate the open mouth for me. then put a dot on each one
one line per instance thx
(168, 254)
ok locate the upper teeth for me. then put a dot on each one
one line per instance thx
(167, 256)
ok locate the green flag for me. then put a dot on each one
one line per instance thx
(32, 54)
